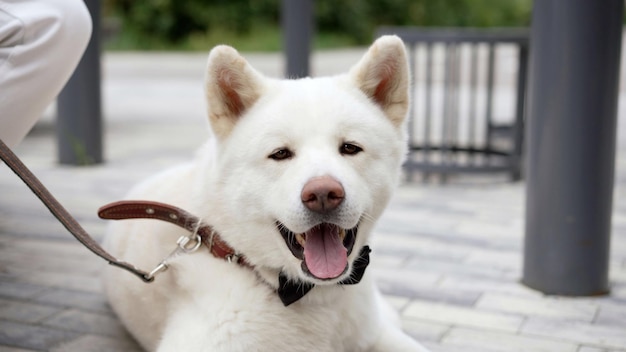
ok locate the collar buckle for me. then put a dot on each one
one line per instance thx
(233, 257)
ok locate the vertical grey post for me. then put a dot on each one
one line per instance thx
(297, 26)
(574, 72)
(520, 106)
(79, 122)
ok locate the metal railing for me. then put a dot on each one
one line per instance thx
(453, 126)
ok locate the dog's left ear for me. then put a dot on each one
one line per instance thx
(232, 86)
(383, 75)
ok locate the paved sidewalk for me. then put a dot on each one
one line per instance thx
(447, 256)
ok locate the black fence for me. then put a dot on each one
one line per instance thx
(467, 114)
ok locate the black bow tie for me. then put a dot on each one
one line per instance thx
(290, 291)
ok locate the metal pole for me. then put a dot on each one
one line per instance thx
(79, 121)
(571, 130)
(297, 25)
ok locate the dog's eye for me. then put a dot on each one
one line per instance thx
(281, 154)
(349, 149)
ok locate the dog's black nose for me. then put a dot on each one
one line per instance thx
(322, 194)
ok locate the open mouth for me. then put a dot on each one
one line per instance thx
(323, 249)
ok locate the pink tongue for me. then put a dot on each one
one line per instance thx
(324, 253)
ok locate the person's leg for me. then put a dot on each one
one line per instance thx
(41, 42)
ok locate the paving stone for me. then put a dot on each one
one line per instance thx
(486, 229)
(402, 282)
(10, 288)
(89, 301)
(582, 333)
(95, 343)
(397, 302)
(549, 307)
(460, 268)
(406, 246)
(25, 312)
(501, 259)
(85, 322)
(610, 314)
(432, 347)
(49, 247)
(426, 292)
(14, 349)
(590, 349)
(463, 316)
(503, 342)
(75, 281)
(30, 336)
(484, 284)
(382, 260)
(50, 263)
(423, 330)
(596, 349)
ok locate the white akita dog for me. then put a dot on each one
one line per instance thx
(294, 180)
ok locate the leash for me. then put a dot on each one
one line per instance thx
(126, 210)
(59, 212)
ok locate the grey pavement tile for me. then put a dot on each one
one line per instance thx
(501, 259)
(448, 267)
(403, 282)
(425, 291)
(397, 302)
(582, 333)
(436, 347)
(423, 330)
(25, 312)
(384, 260)
(45, 229)
(95, 343)
(487, 229)
(549, 307)
(590, 349)
(14, 349)
(61, 297)
(49, 263)
(597, 349)
(75, 281)
(409, 245)
(503, 342)
(21, 290)
(611, 314)
(463, 316)
(30, 336)
(86, 322)
(45, 247)
(485, 284)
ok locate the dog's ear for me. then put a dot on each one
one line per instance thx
(232, 86)
(383, 75)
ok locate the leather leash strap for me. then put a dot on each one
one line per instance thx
(142, 209)
(15, 164)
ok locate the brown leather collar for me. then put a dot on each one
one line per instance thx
(134, 209)
(289, 291)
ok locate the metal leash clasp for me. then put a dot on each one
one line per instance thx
(184, 245)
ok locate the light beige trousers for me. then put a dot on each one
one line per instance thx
(41, 42)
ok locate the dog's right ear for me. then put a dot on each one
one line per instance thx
(232, 86)
(383, 75)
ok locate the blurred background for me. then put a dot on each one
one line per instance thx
(255, 25)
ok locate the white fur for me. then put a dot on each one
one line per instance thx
(207, 304)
